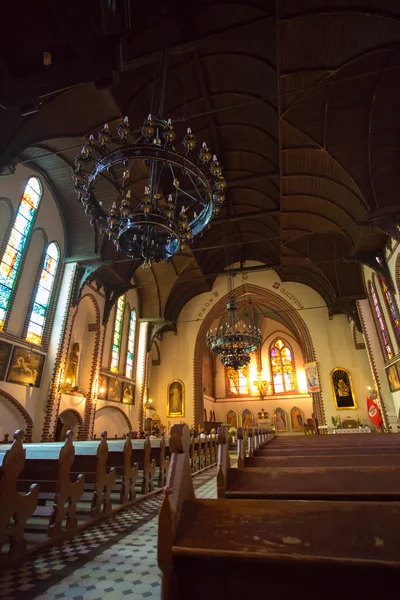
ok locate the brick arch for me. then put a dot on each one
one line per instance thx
(298, 327)
(23, 412)
(117, 408)
(90, 402)
(79, 419)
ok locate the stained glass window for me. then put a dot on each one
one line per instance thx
(131, 345)
(11, 261)
(37, 319)
(238, 381)
(381, 325)
(116, 343)
(283, 372)
(392, 306)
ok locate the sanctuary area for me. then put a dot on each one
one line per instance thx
(199, 298)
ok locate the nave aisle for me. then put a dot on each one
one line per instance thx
(115, 560)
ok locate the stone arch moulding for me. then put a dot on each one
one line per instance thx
(23, 412)
(275, 301)
(117, 408)
(79, 419)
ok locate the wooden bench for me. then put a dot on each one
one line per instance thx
(318, 460)
(15, 508)
(232, 548)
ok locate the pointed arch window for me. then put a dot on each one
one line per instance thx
(130, 353)
(391, 305)
(380, 323)
(238, 382)
(116, 343)
(37, 320)
(282, 366)
(22, 227)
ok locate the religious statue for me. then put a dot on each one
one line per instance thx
(72, 368)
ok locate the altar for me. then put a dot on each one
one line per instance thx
(353, 430)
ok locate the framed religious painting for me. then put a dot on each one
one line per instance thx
(247, 418)
(342, 389)
(280, 420)
(114, 389)
(231, 419)
(296, 419)
(102, 390)
(26, 367)
(5, 353)
(128, 393)
(392, 375)
(176, 398)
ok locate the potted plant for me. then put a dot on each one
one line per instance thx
(231, 436)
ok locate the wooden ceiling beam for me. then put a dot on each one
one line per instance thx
(194, 44)
(255, 214)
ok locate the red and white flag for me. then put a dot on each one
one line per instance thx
(374, 413)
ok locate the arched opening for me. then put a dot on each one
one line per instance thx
(69, 419)
(14, 416)
(113, 420)
(277, 319)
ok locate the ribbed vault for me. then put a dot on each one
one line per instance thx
(299, 101)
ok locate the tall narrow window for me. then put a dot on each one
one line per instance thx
(38, 316)
(116, 343)
(19, 236)
(283, 372)
(392, 307)
(238, 381)
(380, 324)
(131, 345)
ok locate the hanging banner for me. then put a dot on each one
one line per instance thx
(312, 377)
(374, 413)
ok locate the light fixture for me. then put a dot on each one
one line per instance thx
(148, 405)
(165, 197)
(372, 392)
(234, 340)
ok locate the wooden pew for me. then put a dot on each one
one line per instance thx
(67, 494)
(15, 508)
(164, 462)
(325, 460)
(320, 483)
(323, 481)
(149, 468)
(339, 549)
(122, 462)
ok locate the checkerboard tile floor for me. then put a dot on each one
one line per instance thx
(115, 560)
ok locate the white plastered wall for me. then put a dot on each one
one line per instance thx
(49, 219)
(332, 340)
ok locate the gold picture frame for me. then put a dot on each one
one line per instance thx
(342, 389)
(176, 398)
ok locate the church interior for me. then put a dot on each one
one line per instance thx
(199, 298)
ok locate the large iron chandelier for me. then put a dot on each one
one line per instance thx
(234, 340)
(180, 192)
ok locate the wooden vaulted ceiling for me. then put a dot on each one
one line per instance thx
(299, 100)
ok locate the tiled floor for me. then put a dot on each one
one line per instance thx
(110, 561)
